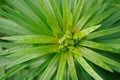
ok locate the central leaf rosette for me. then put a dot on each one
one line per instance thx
(69, 42)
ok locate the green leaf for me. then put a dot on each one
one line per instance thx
(95, 60)
(32, 4)
(116, 46)
(40, 50)
(12, 26)
(71, 67)
(9, 45)
(26, 55)
(2, 72)
(26, 11)
(61, 67)
(14, 49)
(50, 70)
(87, 67)
(6, 60)
(86, 31)
(77, 9)
(103, 32)
(67, 16)
(111, 41)
(49, 16)
(7, 32)
(87, 13)
(67, 74)
(25, 22)
(57, 12)
(22, 59)
(111, 20)
(83, 75)
(101, 17)
(12, 71)
(37, 70)
(104, 59)
(99, 5)
(31, 39)
(99, 46)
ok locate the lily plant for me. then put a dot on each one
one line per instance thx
(59, 40)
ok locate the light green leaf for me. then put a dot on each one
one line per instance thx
(37, 70)
(104, 59)
(71, 67)
(101, 17)
(12, 26)
(9, 45)
(14, 49)
(67, 16)
(26, 55)
(25, 22)
(111, 41)
(31, 39)
(50, 70)
(99, 46)
(104, 32)
(32, 4)
(2, 71)
(84, 74)
(57, 12)
(22, 59)
(12, 71)
(40, 50)
(23, 8)
(49, 16)
(87, 13)
(87, 67)
(116, 46)
(94, 59)
(77, 9)
(7, 32)
(86, 31)
(61, 67)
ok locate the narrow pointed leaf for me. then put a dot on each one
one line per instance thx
(99, 46)
(12, 26)
(11, 72)
(71, 67)
(50, 18)
(104, 32)
(31, 39)
(104, 59)
(95, 60)
(101, 17)
(77, 10)
(67, 16)
(87, 13)
(40, 50)
(61, 67)
(14, 49)
(86, 31)
(57, 12)
(87, 67)
(50, 70)
(39, 69)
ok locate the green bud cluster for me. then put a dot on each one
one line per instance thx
(68, 42)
